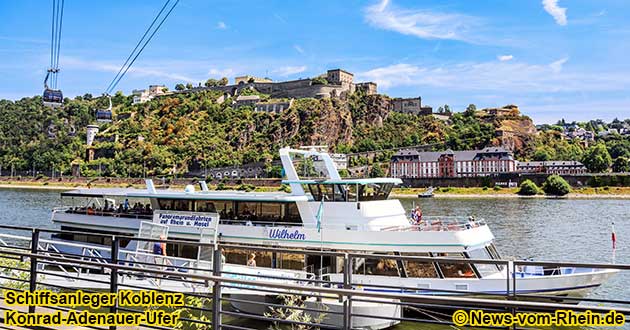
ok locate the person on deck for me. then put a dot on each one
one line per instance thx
(418, 215)
(159, 248)
(251, 262)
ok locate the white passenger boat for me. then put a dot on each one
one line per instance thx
(329, 214)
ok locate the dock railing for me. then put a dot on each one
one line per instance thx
(28, 265)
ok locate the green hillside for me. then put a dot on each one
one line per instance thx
(186, 130)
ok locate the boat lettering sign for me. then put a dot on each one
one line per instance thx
(185, 219)
(286, 234)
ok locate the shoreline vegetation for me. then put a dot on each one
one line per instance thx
(442, 192)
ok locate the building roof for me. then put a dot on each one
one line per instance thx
(342, 70)
(550, 163)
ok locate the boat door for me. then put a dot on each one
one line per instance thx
(149, 230)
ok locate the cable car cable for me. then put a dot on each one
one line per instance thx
(117, 80)
(137, 45)
(141, 49)
(59, 30)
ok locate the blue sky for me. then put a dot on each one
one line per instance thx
(554, 58)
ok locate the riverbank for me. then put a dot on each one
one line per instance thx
(479, 192)
(447, 192)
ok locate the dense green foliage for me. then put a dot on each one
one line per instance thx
(556, 185)
(597, 158)
(528, 188)
(621, 165)
(183, 132)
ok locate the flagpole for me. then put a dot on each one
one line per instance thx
(613, 237)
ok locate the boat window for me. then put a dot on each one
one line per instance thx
(225, 209)
(374, 191)
(239, 256)
(494, 254)
(378, 266)
(418, 268)
(165, 204)
(177, 204)
(293, 261)
(352, 193)
(292, 213)
(206, 206)
(483, 269)
(265, 212)
(315, 191)
(332, 192)
(450, 270)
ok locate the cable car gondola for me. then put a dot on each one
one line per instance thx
(52, 97)
(105, 115)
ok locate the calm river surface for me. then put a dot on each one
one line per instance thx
(544, 229)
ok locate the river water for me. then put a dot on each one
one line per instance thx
(544, 229)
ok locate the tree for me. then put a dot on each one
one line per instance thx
(542, 155)
(211, 83)
(377, 171)
(528, 188)
(319, 81)
(470, 110)
(621, 165)
(447, 109)
(556, 185)
(251, 80)
(180, 87)
(224, 81)
(597, 159)
(189, 86)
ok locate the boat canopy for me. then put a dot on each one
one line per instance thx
(101, 192)
(225, 195)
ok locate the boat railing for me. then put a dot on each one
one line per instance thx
(130, 213)
(427, 224)
(434, 223)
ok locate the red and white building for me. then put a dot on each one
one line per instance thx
(468, 163)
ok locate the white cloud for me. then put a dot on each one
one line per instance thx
(227, 72)
(140, 71)
(501, 78)
(419, 23)
(289, 70)
(558, 13)
(298, 49)
(394, 75)
(504, 58)
(556, 66)
(222, 26)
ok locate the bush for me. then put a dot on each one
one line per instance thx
(555, 185)
(496, 188)
(528, 188)
(246, 187)
(285, 188)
